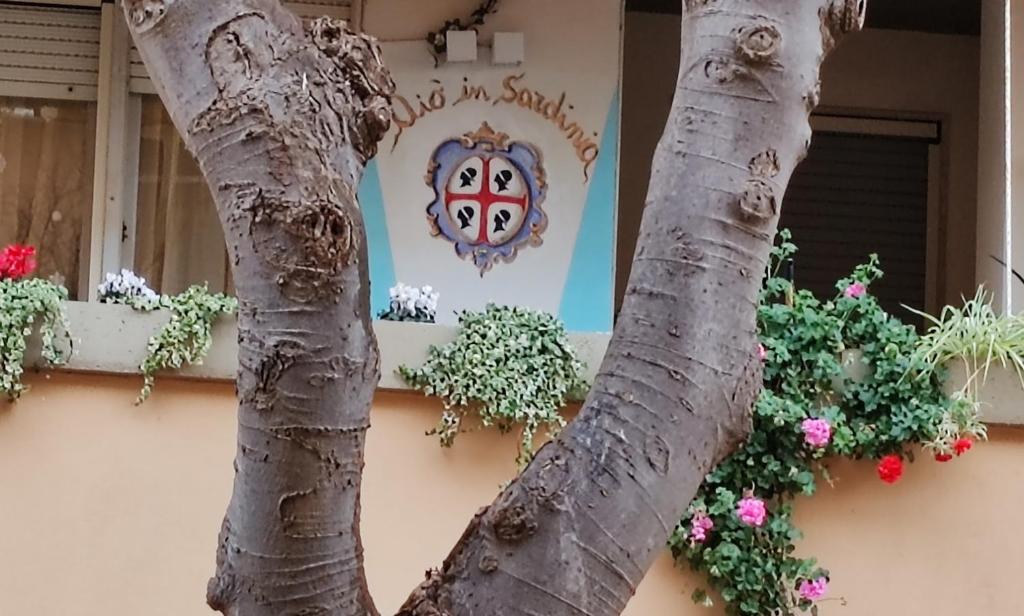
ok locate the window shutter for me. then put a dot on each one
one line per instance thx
(856, 195)
(307, 9)
(49, 52)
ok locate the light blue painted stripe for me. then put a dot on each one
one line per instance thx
(588, 298)
(382, 263)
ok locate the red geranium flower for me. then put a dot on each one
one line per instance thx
(890, 469)
(962, 446)
(943, 457)
(17, 261)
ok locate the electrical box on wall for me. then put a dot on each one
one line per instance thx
(509, 48)
(462, 46)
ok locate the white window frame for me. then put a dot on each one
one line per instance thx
(109, 236)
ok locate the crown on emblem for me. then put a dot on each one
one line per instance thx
(486, 135)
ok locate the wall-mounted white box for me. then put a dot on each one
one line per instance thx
(509, 48)
(462, 46)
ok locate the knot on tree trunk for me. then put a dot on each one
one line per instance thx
(426, 600)
(359, 59)
(758, 43)
(144, 15)
(319, 239)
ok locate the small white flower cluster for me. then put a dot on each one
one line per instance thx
(412, 304)
(125, 288)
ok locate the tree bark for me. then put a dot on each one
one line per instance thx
(282, 119)
(577, 531)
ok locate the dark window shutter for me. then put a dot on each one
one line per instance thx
(856, 195)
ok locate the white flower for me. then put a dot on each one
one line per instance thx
(120, 288)
(411, 303)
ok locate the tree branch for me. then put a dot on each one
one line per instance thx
(577, 531)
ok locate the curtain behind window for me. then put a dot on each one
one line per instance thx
(47, 149)
(178, 238)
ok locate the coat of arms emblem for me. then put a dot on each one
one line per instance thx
(488, 193)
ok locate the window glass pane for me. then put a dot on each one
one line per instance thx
(47, 149)
(178, 238)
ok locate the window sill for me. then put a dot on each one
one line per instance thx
(112, 339)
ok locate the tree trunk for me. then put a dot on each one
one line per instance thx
(576, 532)
(282, 118)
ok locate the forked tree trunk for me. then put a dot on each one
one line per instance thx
(577, 531)
(282, 120)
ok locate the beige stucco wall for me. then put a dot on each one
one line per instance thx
(111, 510)
(879, 72)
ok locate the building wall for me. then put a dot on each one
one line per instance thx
(558, 109)
(1016, 87)
(992, 152)
(879, 72)
(107, 509)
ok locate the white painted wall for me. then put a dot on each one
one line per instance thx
(882, 72)
(572, 49)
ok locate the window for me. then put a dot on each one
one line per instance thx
(92, 171)
(46, 170)
(867, 186)
(178, 237)
(48, 123)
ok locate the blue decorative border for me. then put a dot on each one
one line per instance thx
(382, 264)
(588, 298)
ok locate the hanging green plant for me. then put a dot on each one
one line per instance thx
(739, 530)
(512, 366)
(26, 303)
(187, 337)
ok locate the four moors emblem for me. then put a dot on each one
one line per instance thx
(488, 193)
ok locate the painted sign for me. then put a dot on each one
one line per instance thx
(518, 206)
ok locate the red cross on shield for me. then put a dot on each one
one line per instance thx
(487, 198)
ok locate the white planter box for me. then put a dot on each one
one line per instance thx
(112, 339)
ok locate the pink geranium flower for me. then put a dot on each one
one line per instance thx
(817, 432)
(699, 528)
(812, 590)
(752, 511)
(762, 353)
(855, 290)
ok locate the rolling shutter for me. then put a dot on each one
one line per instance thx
(856, 195)
(49, 52)
(307, 9)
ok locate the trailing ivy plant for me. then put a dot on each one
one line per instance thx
(512, 366)
(187, 337)
(816, 404)
(24, 304)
